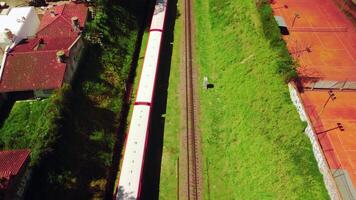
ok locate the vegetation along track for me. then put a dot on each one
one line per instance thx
(192, 135)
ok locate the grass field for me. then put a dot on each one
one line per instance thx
(253, 141)
(168, 179)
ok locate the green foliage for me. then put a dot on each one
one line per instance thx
(253, 140)
(34, 125)
(90, 116)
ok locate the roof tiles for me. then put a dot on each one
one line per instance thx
(10, 164)
(32, 65)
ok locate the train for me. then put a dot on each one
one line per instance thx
(130, 179)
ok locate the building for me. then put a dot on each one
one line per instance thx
(16, 24)
(13, 165)
(43, 63)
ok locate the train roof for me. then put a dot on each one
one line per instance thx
(159, 14)
(129, 183)
(149, 70)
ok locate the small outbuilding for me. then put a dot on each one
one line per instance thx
(13, 164)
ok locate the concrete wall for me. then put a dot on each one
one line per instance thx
(75, 54)
(42, 93)
(324, 169)
(30, 26)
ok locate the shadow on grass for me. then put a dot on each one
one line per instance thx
(78, 167)
(152, 163)
(85, 159)
(121, 131)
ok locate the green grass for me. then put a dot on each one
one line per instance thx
(253, 141)
(32, 125)
(168, 179)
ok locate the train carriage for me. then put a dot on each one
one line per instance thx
(129, 186)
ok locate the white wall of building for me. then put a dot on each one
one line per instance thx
(23, 23)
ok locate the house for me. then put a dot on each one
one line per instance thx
(13, 165)
(42, 64)
(16, 24)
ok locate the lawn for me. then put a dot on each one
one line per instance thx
(168, 179)
(253, 141)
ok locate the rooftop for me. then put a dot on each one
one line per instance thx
(22, 22)
(11, 162)
(16, 21)
(58, 22)
(32, 64)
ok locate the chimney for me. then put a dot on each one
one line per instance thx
(53, 14)
(60, 56)
(8, 34)
(75, 24)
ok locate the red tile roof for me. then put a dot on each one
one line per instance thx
(32, 70)
(32, 65)
(10, 164)
(64, 13)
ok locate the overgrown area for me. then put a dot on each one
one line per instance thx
(253, 141)
(81, 164)
(34, 125)
(72, 134)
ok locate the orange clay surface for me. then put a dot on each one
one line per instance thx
(332, 56)
(339, 146)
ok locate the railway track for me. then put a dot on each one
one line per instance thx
(192, 136)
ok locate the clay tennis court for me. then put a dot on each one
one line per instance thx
(323, 42)
(322, 39)
(338, 144)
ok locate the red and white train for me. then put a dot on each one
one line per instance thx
(129, 186)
